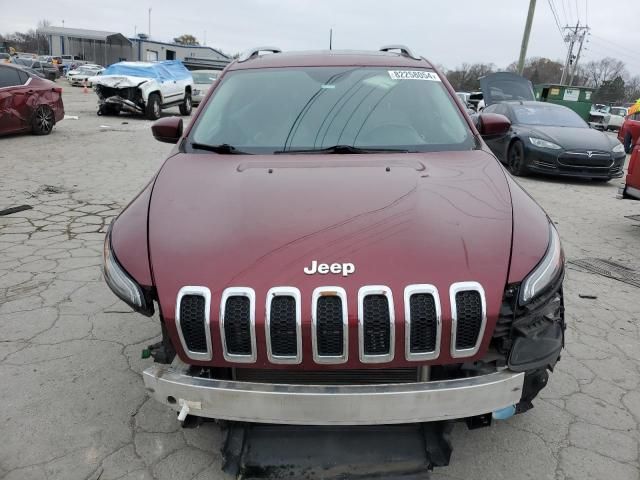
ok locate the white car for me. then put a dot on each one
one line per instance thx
(615, 118)
(82, 74)
(476, 100)
(202, 80)
(144, 87)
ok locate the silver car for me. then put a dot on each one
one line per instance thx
(202, 80)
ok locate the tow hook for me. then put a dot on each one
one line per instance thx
(187, 406)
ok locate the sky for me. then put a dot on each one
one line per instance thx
(448, 32)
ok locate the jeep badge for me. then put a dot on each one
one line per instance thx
(324, 268)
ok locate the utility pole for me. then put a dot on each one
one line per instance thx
(149, 33)
(330, 38)
(575, 64)
(575, 33)
(567, 63)
(525, 36)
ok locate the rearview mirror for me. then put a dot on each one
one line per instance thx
(492, 124)
(167, 130)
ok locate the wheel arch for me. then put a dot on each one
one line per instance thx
(512, 140)
(157, 92)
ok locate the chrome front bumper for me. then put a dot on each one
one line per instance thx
(332, 405)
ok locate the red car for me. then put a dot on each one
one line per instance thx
(331, 242)
(28, 103)
(629, 133)
(631, 186)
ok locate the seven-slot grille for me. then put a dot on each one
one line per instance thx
(282, 330)
(192, 323)
(469, 309)
(424, 323)
(283, 325)
(329, 326)
(468, 318)
(377, 328)
(237, 325)
(376, 323)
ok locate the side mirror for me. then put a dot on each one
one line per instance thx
(492, 124)
(168, 130)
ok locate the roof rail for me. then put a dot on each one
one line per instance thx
(405, 51)
(254, 52)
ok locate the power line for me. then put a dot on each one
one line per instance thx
(586, 12)
(622, 47)
(555, 17)
(602, 50)
(566, 19)
(597, 54)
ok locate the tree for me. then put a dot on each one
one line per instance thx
(467, 76)
(604, 70)
(632, 89)
(186, 39)
(539, 70)
(610, 91)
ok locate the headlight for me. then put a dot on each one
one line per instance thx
(538, 142)
(547, 271)
(619, 148)
(121, 283)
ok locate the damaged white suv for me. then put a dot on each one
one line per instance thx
(144, 87)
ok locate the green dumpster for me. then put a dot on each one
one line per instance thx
(577, 99)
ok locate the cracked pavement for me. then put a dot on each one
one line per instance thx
(72, 401)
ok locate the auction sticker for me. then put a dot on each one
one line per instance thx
(413, 75)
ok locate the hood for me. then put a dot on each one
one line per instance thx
(574, 138)
(506, 86)
(258, 221)
(118, 81)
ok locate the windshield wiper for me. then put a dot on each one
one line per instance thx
(223, 148)
(344, 150)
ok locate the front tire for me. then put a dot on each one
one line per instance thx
(516, 161)
(43, 120)
(153, 107)
(187, 105)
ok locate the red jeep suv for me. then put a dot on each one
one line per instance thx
(331, 242)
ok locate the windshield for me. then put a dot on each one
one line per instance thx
(204, 77)
(553, 116)
(618, 111)
(269, 110)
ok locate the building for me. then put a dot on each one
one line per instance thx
(105, 48)
(146, 49)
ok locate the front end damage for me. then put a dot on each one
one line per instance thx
(396, 425)
(525, 345)
(119, 94)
